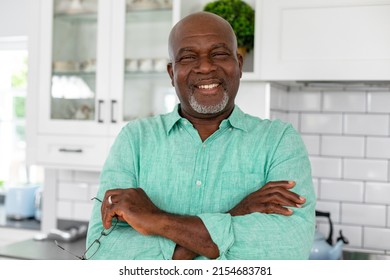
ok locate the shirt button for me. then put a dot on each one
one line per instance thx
(185, 122)
(230, 129)
(204, 145)
(198, 183)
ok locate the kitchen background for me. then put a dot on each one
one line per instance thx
(338, 99)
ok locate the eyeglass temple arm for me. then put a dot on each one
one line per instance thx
(59, 246)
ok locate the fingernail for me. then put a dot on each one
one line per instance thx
(299, 205)
(302, 198)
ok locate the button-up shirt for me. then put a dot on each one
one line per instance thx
(182, 175)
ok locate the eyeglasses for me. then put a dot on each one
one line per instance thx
(95, 245)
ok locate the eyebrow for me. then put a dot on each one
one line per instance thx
(215, 46)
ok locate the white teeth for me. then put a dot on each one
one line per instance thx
(208, 86)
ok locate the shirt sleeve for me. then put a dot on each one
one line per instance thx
(119, 171)
(272, 236)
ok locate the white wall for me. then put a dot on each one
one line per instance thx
(13, 18)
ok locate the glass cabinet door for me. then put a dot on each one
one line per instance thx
(74, 53)
(147, 87)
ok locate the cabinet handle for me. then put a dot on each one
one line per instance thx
(64, 150)
(100, 102)
(113, 102)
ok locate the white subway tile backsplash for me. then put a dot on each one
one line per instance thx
(82, 211)
(293, 118)
(354, 234)
(378, 102)
(363, 214)
(321, 123)
(332, 207)
(342, 190)
(312, 143)
(93, 189)
(279, 115)
(366, 124)
(388, 216)
(342, 146)
(344, 101)
(366, 169)
(316, 184)
(304, 101)
(65, 175)
(377, 238)
(86, 176)
(326, 167)
(73, 191)
(377, 193)
(278, 99)
(64, 210)
(378, 147)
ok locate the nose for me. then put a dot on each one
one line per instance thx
(205, 65)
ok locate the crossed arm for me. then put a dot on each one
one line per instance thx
(189, 232)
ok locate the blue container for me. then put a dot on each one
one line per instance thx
(20, 202)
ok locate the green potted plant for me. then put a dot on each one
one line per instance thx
(241, 17)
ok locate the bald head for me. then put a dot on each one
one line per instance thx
(199, 23)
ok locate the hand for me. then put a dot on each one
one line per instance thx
(132, 206)
(182, 253)
(272, 198)
(135, 207)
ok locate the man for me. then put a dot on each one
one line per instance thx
(207, 180)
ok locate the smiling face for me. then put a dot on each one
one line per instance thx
(205, 67)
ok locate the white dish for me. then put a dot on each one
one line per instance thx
(131, 65)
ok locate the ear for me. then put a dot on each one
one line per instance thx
(240, 59)
(170, 72)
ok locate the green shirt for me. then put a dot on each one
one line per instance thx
(165, 156)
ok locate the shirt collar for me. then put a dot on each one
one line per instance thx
(236, 119)
(171, 119)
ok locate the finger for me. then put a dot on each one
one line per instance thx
(284, 184)
(107, 208)
(278, 198)
(288, 194)
(271, 208)
(108, 215)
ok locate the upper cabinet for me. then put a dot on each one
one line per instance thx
(325, 40)
(97, 64)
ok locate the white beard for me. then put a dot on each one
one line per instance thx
(210, 109)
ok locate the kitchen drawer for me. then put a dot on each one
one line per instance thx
(70, 152)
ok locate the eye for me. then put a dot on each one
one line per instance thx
(187, 58)
(220, 55)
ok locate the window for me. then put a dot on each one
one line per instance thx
(13, 92)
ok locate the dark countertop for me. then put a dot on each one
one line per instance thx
(39, 250)
(42, 250)
(31, 224)
(349, 255)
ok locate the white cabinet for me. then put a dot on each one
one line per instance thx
(96, 64)
(325, 40)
